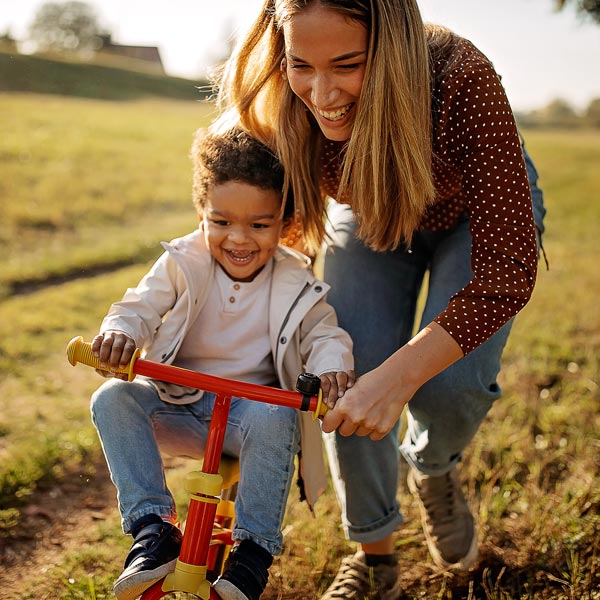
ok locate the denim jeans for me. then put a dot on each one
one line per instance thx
(135, 426)
(375, 296)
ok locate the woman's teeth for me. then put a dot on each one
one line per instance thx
(335, 115)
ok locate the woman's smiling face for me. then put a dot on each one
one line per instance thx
(325, 55)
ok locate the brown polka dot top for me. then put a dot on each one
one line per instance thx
(479, 173)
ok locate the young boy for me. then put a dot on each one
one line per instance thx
(227, 300)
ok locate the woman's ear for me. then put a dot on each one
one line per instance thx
(283, 68)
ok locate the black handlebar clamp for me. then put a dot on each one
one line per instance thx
(308, 385)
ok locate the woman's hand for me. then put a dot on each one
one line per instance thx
(376, 400)
(114, 350)
(371, 407)
(334, 385)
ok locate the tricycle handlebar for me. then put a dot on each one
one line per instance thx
(306, 398)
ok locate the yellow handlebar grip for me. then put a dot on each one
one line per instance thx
(80, 351)
(321, 408)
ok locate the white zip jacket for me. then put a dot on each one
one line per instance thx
(303, 329)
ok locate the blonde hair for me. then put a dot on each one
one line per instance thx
(387, 169)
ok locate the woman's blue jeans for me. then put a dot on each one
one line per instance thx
(135, 426)
(375, 296)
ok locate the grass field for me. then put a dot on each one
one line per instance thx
(90, 185)
(87, 184)
(107, 78)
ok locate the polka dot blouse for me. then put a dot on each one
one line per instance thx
(479, 172)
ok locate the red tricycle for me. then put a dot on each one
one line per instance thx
(207, 533)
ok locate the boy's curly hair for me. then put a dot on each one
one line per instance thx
(234, 155)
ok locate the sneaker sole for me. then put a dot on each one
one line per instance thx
(227, 591)
(465, 563)
(135, 584)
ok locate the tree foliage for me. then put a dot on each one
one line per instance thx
(559, 113)
(586, 7)
(67, 26)
(592, 113)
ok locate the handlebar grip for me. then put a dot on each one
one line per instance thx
(322, 408)
(79, 351)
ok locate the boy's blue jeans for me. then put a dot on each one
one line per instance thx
(135, 425)
(375, 296)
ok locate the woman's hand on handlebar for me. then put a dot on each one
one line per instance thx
(376, 400)
(114, 349)
(334, 385)
(371, 407)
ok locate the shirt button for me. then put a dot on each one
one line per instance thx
(231, 299)
(236, 286)
(283, 339)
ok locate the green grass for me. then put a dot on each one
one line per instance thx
(88, 184)
(113, 80)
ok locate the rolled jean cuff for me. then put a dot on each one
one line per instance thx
(408, 455)
(271, 547)
(368, 534)
(164, 512)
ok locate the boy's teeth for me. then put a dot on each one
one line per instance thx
(239, 255)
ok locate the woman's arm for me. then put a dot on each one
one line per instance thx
(375, 402)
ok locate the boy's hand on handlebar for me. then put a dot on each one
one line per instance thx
(113, 349)
(334, 385)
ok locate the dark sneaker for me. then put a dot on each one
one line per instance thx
(355, 580)
(245, 574)
(153, 555)
(448, 524)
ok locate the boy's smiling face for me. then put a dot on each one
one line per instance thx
(242, 227)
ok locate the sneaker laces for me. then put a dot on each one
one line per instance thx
(437, 495)
(354, 576)
(448, 523)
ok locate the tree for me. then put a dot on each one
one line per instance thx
(7, 42)
(587, 7)
(592, 113)
(558, 113)
(67, 26)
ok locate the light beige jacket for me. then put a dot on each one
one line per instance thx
(303, 329)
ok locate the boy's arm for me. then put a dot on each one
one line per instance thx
(326, 350)
(141, 310)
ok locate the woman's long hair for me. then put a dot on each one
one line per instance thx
(387, 174)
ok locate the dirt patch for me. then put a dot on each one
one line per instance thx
(56, 520)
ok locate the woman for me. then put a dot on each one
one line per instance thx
(408, 128)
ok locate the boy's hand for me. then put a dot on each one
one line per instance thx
(114, 350)
(334, 384)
